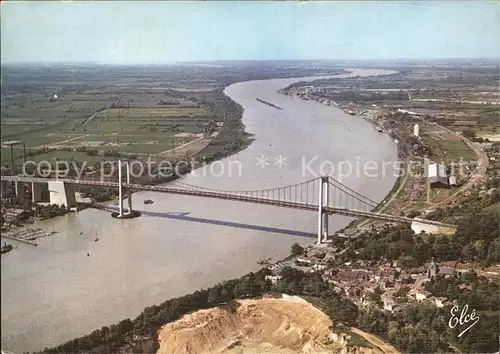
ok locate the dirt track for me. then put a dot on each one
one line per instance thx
(374, 340)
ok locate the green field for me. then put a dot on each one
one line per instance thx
(131, 110)
(449, 150)
(45, 137)
(167, 112)
(437, 195)
(37, 123)
(147, 124)
(69, 156)
(141, 122)
(51, 157)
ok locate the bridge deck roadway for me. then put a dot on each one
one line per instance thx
(229, 196)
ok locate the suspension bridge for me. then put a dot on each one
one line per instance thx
(323, 195)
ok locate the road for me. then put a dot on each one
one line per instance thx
(176, 149)
(456, 101)
(375, 341)
(62, 141)
(89, 119)
(394, 195)
(274, 197)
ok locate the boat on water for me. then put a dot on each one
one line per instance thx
(264, 261)
(148, 201)
(6, 248)
(380, 130)
(269, 103)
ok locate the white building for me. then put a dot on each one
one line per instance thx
(422, 295)
(440, 301)
(305, 260)
(417, 226)
(416, 131)
(273, 278)
(319, 266)
(390, 305)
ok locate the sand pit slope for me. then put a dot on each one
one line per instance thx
(255, 326)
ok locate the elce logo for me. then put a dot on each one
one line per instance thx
(463, 319)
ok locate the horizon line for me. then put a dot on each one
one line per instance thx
(176, 62)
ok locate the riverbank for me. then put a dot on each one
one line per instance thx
(15, 222)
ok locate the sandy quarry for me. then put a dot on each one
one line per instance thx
(256, 326)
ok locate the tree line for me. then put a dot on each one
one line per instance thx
(477, 239)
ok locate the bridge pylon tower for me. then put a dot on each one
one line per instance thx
(129, 192)
(120, 187)
(322, 214)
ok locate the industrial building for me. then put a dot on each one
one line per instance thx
(11, 144)
(436, 176)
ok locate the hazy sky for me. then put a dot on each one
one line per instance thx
(160, 32)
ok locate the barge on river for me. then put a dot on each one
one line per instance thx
(269, 104)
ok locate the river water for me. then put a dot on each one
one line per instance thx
(55, 292)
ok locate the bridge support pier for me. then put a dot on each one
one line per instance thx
(17, 189)
(20, 191)
(129, 200)
(36, 192)
(61, 194)
(129, 193)
(6, 189)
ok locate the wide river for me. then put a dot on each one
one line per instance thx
(55, 292)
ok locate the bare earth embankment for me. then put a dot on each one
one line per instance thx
(256, 326)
